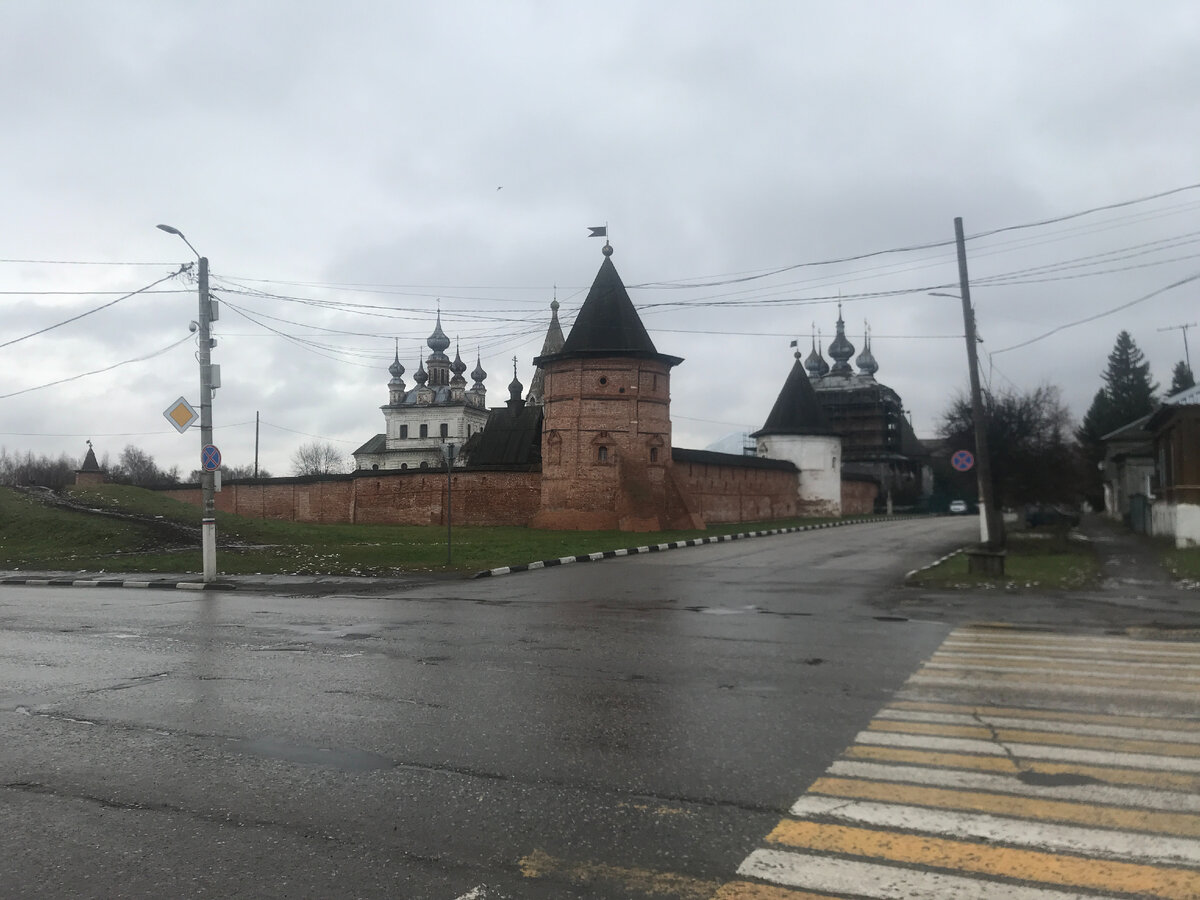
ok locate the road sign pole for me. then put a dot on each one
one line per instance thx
(208, 521)
(991, 527)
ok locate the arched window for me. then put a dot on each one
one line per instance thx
(404, 465)
(602, 454)
(424, 465)
(375, 467)
(653, 454)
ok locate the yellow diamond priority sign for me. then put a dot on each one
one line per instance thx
(181, 414)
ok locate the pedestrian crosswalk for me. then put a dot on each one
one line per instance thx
(1017, 765)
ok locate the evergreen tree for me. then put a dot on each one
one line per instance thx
(1127, 380)
(1181, 378)
(1128, 394)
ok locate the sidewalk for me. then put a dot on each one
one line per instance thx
(1132, 569)
(1136, 593)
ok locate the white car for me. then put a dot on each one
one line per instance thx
(958, 506)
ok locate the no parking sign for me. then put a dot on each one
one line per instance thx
(962, 460)
(210, 458)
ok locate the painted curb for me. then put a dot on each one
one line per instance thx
(677, 545)
(936, 562)
(120, 583)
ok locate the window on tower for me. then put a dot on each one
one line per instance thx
(403, 431)
(445, 429)
(424, 431)
(602, 454)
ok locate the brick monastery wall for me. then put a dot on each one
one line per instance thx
(858, 496)
(711, 494)
(397, 498)
(720, 493)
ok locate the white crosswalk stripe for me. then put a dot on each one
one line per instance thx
(1024, 765)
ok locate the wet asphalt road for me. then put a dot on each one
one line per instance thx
(586, 731)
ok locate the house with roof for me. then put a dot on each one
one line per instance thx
(1129, 472)
(1175, 427)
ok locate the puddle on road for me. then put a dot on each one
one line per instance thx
(344, 760)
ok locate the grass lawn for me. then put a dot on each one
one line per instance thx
(1183, 564)
(1035, 560)
(33, 536)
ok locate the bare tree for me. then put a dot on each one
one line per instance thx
(318, 458)
(137, 467)
(229, 473)
(1034, 458)
(25, 468)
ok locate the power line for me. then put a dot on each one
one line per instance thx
(125, 362)
(107, 433)
(307, 434)
(79, 262)
(97, 309)
(1086, 212)
(1101, 315)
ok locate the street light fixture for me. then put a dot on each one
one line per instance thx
(208, 520)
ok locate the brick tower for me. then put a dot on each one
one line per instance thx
(606, 433)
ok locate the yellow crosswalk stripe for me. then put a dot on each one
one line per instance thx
(1185, 824)
(1173, 781)
(1072, 699)
(1061, 870)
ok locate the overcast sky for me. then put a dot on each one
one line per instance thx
(360, 161)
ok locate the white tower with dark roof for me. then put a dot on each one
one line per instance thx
(798, 431)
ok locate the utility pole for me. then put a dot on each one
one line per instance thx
(208, 521)
(256, 443)
(1184, 328)
(208, 518)
(991, 527)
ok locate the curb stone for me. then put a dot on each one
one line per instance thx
(120, 583)
(936, 562)
(676, 545)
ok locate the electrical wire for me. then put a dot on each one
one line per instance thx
(79, 262)
(125, 362)
(97, 309)
(107, 433)
(1108, 312)
(306, 433)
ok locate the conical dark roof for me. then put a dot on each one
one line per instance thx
(797, 409)
(608, 324)
(89, 461)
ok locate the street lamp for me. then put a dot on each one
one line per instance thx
(208, 521)
(448, 450)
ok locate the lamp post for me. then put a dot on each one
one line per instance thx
(208, 520)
